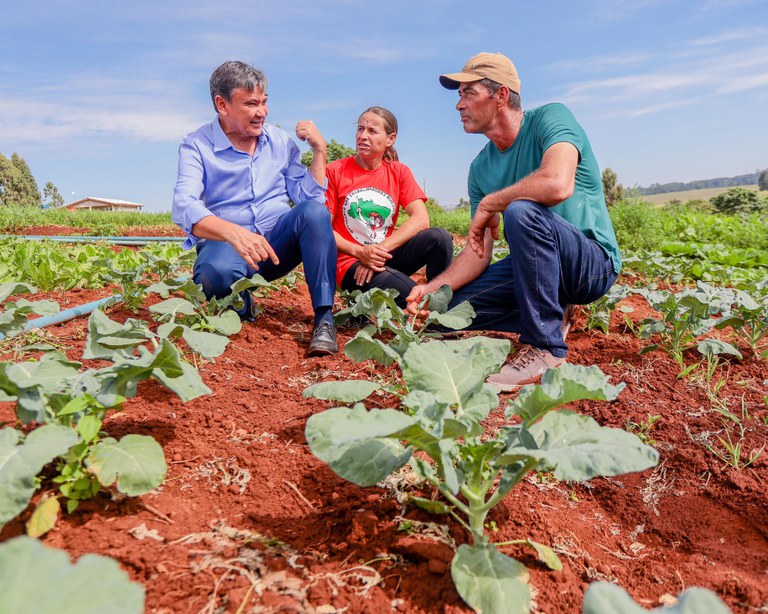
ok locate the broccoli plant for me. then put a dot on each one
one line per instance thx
(749, 320)
(599, 312)
(388, 320)
(474, 470)
(606, 598)
(14, 315)
(94, 584)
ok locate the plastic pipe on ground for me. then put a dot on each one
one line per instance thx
(74, 312)
(89, 239)
(70, 314)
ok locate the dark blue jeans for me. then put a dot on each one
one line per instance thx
(304, 234)
(551, 264)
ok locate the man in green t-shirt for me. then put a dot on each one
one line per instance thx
(539, 172)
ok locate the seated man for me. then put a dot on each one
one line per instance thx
(237, 177)
(539, 172)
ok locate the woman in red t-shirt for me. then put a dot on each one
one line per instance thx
(365, 194)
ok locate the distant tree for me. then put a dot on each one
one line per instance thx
(335, 151)
(17, 186)
(464, 205)
(737, 200)
(8, 179)
(718, 182)
(31, 193)
(613, 190)
(762, 180)
(51, 196)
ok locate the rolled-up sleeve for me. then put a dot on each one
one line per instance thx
(188, 207)
(299, 182)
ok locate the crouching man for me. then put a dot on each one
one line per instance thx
(236, 180)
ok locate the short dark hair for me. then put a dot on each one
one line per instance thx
(232, 75)
(493, 87)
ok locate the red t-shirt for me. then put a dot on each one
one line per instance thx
(365, 204)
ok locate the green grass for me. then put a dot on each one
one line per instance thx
(704, 194)
(13, 219)
(640, 225)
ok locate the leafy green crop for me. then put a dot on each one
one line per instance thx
(14, 316)
(473, 469)
(22, 458)
(88, 462)
(599, 312)
(93, 585)
(135, 463)
(684, 318)
(749, 320)
(387, 318)
(42, 389)
(605, 598)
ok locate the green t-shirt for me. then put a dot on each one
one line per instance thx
(541, 128)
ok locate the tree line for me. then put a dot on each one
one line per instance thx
(19, 188)
(719, 182)
(734, 200)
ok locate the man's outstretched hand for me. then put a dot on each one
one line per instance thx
(414, 300)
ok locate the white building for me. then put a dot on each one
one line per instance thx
(103, 204)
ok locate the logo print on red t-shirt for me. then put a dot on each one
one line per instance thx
(368, 215)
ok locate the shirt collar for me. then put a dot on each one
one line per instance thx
(222, 142)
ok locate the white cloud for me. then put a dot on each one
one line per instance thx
(602, 63)
(51, 123)
(683, 79)
(609, 11)
(727, 37)
(662, 107)
(742, 84)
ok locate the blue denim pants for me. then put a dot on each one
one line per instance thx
(304, 234)
(551, 264)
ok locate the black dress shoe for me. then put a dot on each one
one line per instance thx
(323, 340)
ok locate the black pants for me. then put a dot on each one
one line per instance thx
(432, 248)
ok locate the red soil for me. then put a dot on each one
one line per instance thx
(134, 231)
(247, 517)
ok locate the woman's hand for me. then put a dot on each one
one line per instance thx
(373, 256)
(363, 274)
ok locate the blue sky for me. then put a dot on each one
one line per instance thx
(96, 96)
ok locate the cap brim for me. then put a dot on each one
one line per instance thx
(454, 80)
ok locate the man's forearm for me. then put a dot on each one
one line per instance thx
(465, 268)
(215, 229)
(549, 185)
(317, 167)
(536, 187)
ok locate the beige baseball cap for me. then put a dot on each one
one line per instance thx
(494, 66)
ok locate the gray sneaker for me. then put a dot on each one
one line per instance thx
(526, 367)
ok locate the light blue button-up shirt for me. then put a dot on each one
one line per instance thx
(217, 179)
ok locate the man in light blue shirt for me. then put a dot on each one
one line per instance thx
(236, 181)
